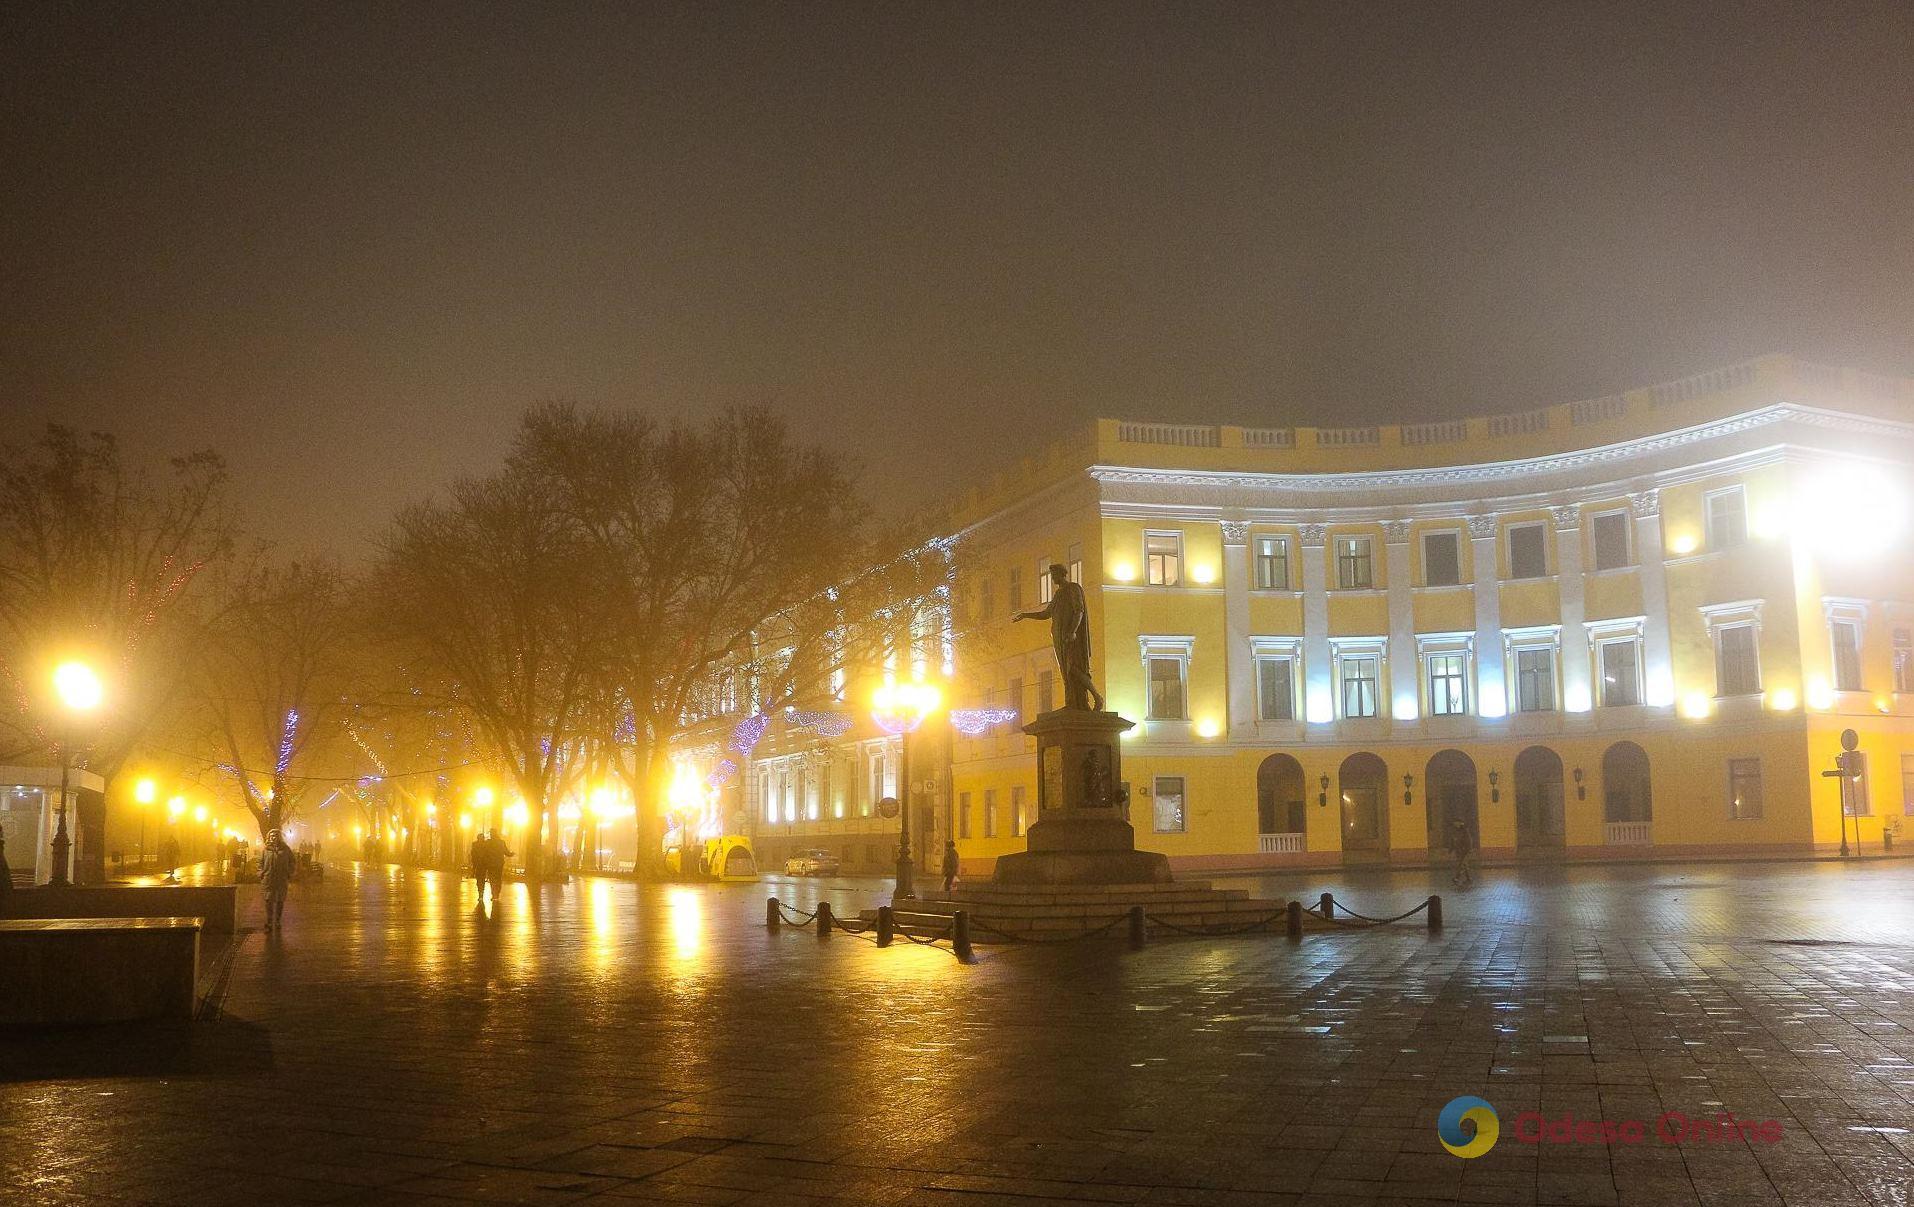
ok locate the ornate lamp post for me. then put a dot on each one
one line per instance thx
(901, 708)
(80, 692)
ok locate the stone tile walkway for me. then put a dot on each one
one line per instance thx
(656, 1044)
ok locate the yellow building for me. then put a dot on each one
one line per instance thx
(1629, 626)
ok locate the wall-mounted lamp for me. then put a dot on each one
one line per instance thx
(1581, 793)
(1408, 782)
(1322, 797)
(1495, 793)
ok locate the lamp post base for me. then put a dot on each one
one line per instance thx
(906, 874)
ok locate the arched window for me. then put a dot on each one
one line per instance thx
(1279, 795)
(1449, 796)
(1539, 819)
(1363, 783)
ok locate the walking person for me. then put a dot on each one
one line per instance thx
(475, 860)
(169, 855)
(952, 865)
(275, 877)
(496, 853)
(1462, 846)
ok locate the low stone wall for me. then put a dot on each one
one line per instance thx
(217, 905)
(61, 971)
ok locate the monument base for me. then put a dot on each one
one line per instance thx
(1081, 836)
(1083, 867)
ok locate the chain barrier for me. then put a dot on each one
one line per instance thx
(1366, 920)
(932, 941)
(1088, 934)
(1261, 923)
(796, 917)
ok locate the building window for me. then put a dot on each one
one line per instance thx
(1907, 784)
(1744, 789)
(1528, 551)
(1016, 812)
(963, 815)
(1046, 590)
(1276, 688)
(1727, 518)
(1535, 679)
(1621, 669)
(990, 813)
(1016, 698)
(1355, 567)
(1903, 661)
(1611, 540)
(1847, 655)
(1854, 796)
(1272, 563)
(1441, 559)
(1169, 811)
(1166, 688)
(987, 601)
(1163, 558)
(1737, 661)
(1015, 588)
(768, 797)
(1448, 685)
(1075, 564)
(1361, 679)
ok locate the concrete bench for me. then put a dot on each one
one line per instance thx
(216, 904)
(97, 970)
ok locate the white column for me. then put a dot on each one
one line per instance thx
(1319, 692)
(1237, 665)
(1658, 663)
(1491, 685)
(1577, 680)
(1405, 698)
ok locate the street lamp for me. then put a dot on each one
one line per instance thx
(80, 692)
(900, 708)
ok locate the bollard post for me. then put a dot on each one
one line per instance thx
(824, 919)
(1136, 926)
(1435, 914)
(1295, 920)
(771, 916)
(1328, 906)
(960, 935)
(884, 925)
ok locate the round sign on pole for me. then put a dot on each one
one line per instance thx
(887, 807)
(1850, 740)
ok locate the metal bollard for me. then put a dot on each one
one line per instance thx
(960, 935)
(1136, 926)
(772, 918)
(824, 919)
(884, 925)
(1328, 906)
(1435, 914)
(1294, 923)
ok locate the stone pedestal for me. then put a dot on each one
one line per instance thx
(1081, 834)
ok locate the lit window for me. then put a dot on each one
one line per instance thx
(1744, 789)
(1448, 685)
(1847, 655)
(1535, 680)
(1611, 540)
(1528, 551)
(1903, 661)
(1361, 679)
(1169, 812)
(1016, 812)
(1737, 661)
(1727, 519)
(1276, 689)
(1441, 559)
(990, 813)
(1355, 568)
(1621, 673)
(1272, 563)
(1163, 558)
(1166, 689)
(1075, 563)
(963, 815)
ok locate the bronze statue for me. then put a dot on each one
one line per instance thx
(1069, 618)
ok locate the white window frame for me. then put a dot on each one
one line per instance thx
(1454, 535)
(1368, 557)
(1286, 649)
(1019, 821)
(1508, 541)
(1738, 614)
(1626, 630)
(1735, 810)
(1182, 795)
(1843, 611)
(1167, 572)
(1257, 559)
(1515, 642)
(1179, 648)
(1347, 649)
(1903, 639)
(1440, 645)
(1712, 541)
(1628, 540)
(1046, 590)
(990, 813)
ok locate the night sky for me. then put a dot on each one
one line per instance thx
(347, 243)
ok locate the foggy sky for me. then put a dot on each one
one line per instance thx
(347, 243)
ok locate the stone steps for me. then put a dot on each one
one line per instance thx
(1038, 912)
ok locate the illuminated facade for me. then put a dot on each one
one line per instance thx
(1629, 626)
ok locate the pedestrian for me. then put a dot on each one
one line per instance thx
(475, 860)
(952, 864)
(275, 877)
(1462, 846)
(169, 857)
(496, 853)
(235, 858)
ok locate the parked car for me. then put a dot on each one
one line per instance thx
(811, 863)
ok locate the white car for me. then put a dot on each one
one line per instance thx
(811, 863)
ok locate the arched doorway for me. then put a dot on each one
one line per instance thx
(1539, 826)
(1627, 804)
(1363, 783)
(1448, 794)
(1279, 796)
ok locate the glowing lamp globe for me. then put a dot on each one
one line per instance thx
(78, 687)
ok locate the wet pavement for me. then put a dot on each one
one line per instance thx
(658, 1044)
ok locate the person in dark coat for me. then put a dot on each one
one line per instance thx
(275, 877)
(1462, 846)
(952, 865)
